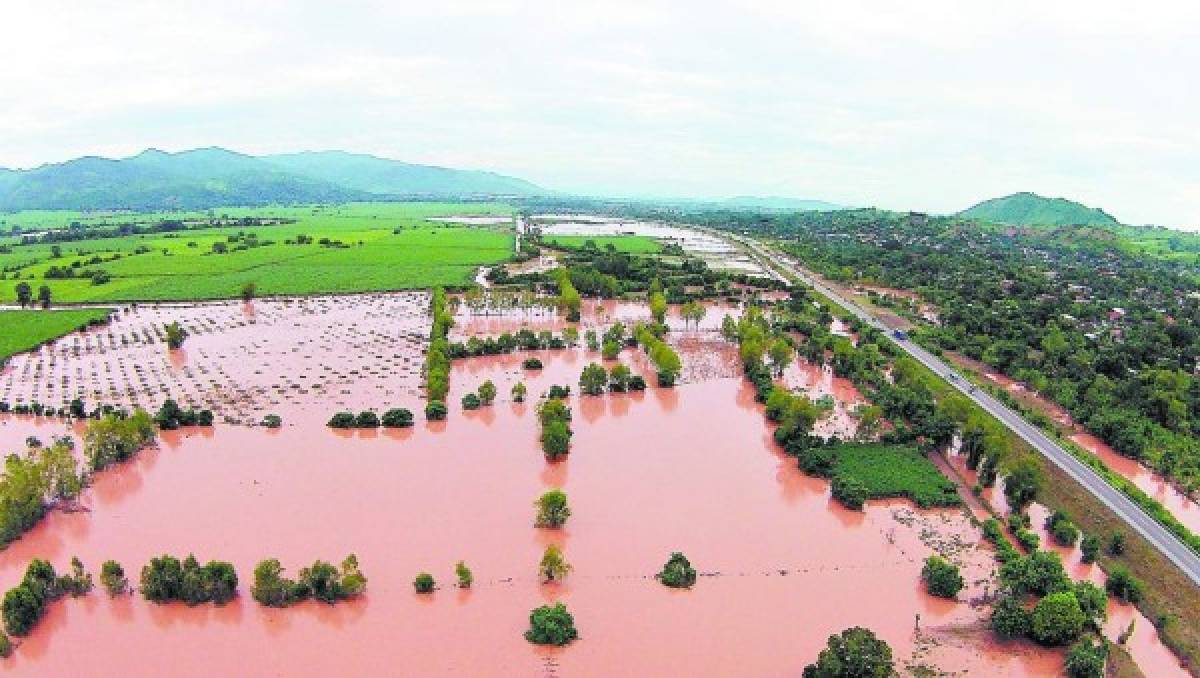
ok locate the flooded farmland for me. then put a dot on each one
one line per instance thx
(694, 469)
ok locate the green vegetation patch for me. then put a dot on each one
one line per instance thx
(25, 330)
(629, 244)
(895, 471)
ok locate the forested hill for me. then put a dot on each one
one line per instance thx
(1030, 209)
(215, 177)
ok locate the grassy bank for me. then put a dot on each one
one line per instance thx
(895, 471)
(26, 330)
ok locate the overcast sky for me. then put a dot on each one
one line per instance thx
(926, 106)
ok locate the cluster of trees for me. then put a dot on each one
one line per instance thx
(1064, 609)
(320, 581)
(569, 300)
(115, 438)
(595, 379)
(398, 417)
(170, 416)
(25, 295)
(31, 482)
(666, 361)
(167, 579)
(555, 418)
(25, 603)
(437, 359)
(524, 339)
(486, 395)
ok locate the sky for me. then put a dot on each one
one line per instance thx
(929, 106)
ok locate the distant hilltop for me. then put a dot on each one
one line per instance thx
(772, 202)
(216, 177)
(1031, 209)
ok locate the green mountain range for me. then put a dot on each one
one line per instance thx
(214, 177)
(1030, 209)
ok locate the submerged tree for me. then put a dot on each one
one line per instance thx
(678, 573)
(552, 509)
(175, 335)
(551, 625)
(854, 653)
(487, 393)
(593, 379)
(113, 579)
(424, 583)
(941, 577)
(553, 566)
(465, 577)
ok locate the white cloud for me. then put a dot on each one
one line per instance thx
(921, 105)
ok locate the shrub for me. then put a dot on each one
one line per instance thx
(941, 577)
(342, 420)
(470, 402)
(1085, 660)
(518, 392)
(1028, 539)
(532, 364)
(272, 421)
(1062, 529)
(465, 578)
(366, 419)
(849, 491)
(1057, 619)
(320, 581)
(25, 603)
(637, 383)
(424, 583)
(397, 418)
(551, 625)
(1124, 585)
(1090, 548)
(1039, 573)
(113, 579)
(552, 509)
(678, 573)
(593, 379)
(1010, 619)
(435, 410)
(556, 440)
(855, 652)
(165, 579)
(1116, 544)
(557, 392)
(610, 349)
(487, 393)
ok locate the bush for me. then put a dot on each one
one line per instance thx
(1116, 544)
(1085, 660)
(1057, 619)
(557, 392)
(556, 440)
(272, 421)
(165, 579)
(487, 393)
(637, 383)
(366, 419)
(854, 653)
(941, 577)
(435, 410)
(518, 392)
(532, 364)
(465, 578)
(849, 491)
(1028, 540)
(554, 565)
(424, 583)
(1062, 529)
(1090, 548)
(320, 581)
(1039, 573)
(113, 579)
(470, 402)
(397, 418)
(678, 573)
(1126, 587)
(341, 420)
(551, 625)
(593, 379)
(552, 509)
(5, 646)
(1010, 619)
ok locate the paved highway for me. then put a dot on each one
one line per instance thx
(1137, 519)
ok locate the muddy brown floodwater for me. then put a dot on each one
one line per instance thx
(692, 469)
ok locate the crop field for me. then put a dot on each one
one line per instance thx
(896, 471)
(630, 244)
(371, 247)
(23, 330)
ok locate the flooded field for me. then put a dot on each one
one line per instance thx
(690, 469)
(241, 360)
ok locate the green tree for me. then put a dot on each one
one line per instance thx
(24, 294)
(470, 402)
(175, 335)
(518, 392)
(1085, 660)
(780, 352)
(593, 379)
(1010, 619)
(610, 349)
(553, 566)
(1023, 483)
(113, 579)
(397, 418)
(270, 587)
(424, 583)
(1126, 587)
(551, 625)
(941, 577)
(44, 295)
(854, 653)
(249, 291)
(552, 509)
(1090, 548)
(1057, 619)
(1093, 601)
(465, 578)
(850, 491)
(678, 572)
(658, 307)
(619, 377)
(487, 392)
